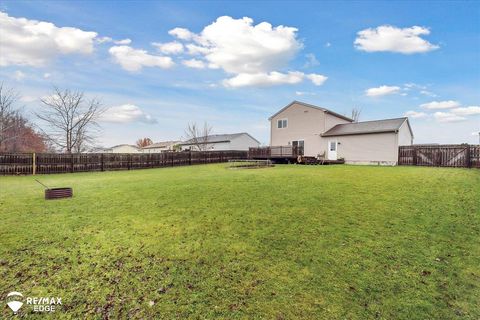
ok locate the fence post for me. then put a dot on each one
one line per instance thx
(129, 160)
(468, 156)
(34, 165)
(71, 162)
(101, 162)
(190, 157)
(414, 156)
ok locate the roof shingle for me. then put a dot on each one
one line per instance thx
(376, 126)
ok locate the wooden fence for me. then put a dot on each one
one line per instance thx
(462, 155)
(44, 163)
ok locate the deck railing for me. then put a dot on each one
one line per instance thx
(275, 152)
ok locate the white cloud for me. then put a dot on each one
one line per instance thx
(19, 75)
(28, 99)
(109, 39)
(382, 91)
(263, 79)
(476, 133)
(103, 39)
(193, 49)
(173, 47)
(304, 93)
(123, 42)
(467, 111)
(194, 63)
(390, 38)
(447, 117)
(317, 79)
(34, 43)
(253, 54)
(428, 93)
(415, 114)
(434, 105)
(126, 113)
(182, 33)
(46, 75)
(328, 44)
(311, 61)
(134, 59)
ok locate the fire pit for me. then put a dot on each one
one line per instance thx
(56, 193)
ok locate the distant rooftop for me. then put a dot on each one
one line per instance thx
(161, 144)
(217, 138)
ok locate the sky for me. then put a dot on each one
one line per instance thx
(158, 65)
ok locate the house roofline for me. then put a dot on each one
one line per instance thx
(311, 106)
(238, 134)
(207, 142)
(358, 133)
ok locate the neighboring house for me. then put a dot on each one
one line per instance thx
(218, 142)
(121, 148)
(160, 147)
(320, 131)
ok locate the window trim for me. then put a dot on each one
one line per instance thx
(281, 121)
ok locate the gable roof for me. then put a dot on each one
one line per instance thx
(218, 138)
(366, 127)
(161, 144)
(311, 106)
(124, 145)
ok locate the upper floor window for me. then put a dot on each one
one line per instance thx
(282, 123)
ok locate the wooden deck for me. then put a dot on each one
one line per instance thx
(275, 152)
(287, 154)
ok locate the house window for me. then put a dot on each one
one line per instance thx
(298, 147)
(333, 146)
(282, 123)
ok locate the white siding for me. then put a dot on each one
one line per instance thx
(124, 149)
(375, 148)
(243, 142)
(404, 135)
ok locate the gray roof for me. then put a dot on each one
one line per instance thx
(217, 138)
(312, 106)
(161, 144)
(366, 127)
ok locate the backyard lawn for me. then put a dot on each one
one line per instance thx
(289, 242)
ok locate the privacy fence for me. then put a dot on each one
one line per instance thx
(43, 163)
(463, 155)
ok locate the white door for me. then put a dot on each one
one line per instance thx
(332, 150)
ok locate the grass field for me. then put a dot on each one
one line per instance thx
(311, 242)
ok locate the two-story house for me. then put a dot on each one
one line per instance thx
(322, 132)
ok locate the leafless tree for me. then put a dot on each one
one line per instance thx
(17, 133)
(356, 114)
(8, 113)
(143, 142)
(199, 136)
(70, 120)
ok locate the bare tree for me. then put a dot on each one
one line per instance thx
(199, 137)
(17, 134)
(356, 114)
(8, 99)
(70, 120)
(143, 142)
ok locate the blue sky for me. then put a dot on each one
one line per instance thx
(233, 64)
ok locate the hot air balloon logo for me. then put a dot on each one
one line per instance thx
(14, 301)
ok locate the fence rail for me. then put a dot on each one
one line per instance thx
(44, 163)
(275, 152)
(462, 155)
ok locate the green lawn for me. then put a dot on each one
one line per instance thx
(310, 242)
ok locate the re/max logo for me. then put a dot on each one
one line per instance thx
(44, 300)
(44, 304)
